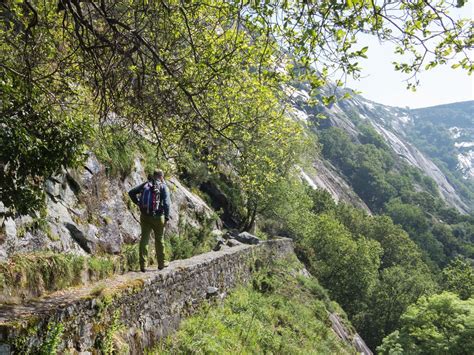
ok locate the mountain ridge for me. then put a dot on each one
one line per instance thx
(444, 105)
(393, 124)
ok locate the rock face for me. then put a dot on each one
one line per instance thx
(342, 333)
(135, 309)
(413, 156)
(389, 122)
(88, 212)
(328, 178)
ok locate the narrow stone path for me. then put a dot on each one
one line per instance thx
(45, 304)
(135, 308)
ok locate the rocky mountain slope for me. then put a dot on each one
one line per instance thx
(456, 122)
(89, 212)
(395, 125)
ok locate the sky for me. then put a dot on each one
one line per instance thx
(379, 81)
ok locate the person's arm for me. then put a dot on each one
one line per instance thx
(166, 202)
(133, 193)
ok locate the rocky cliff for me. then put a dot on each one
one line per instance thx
(393, 123)
(88, 212)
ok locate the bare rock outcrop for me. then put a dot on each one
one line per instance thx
(89, 212)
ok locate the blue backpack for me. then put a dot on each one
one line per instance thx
(150, 198)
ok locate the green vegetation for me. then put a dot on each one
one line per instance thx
(107, 342)
(458, 277)
(53, 336)
(440, 324)
(199, 85)
(392, 187)
(37, 140)
(373, 169)
(31, 275)
(191, 240)
(376, 253)
(20, 343)
(100, 268)
(281, 312)
(117, 148)
(365, 262)
(40, 273)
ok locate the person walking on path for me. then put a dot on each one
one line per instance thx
(153, 199)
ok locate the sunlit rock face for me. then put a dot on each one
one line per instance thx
(394, 124)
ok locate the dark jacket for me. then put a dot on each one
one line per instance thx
(165, 201)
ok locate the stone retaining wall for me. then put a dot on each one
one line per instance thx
(133, 310)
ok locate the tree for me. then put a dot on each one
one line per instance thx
(368, 135)
(397, 288)
(322, 200)
(391, 345)
(410, 217)
(266, 160)
(458, 277)
(287, 210)
(337, 147)
(439, 324)
(37, 140)
(398, 248)
(191, 76)
(345, 265)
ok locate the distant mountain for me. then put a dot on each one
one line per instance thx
(437, 140)
(446, 133)
(459, 114)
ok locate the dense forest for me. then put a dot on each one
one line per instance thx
(197, 88)
(401, 192)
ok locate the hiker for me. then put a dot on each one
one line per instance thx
(153, 199)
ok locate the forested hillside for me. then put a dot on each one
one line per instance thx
(368, 148)
(234, 101)
(446, 134)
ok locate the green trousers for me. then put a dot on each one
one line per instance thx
(157, 224)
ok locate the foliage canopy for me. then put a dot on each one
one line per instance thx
(192, 76)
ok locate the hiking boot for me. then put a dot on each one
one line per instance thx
(161, 267)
